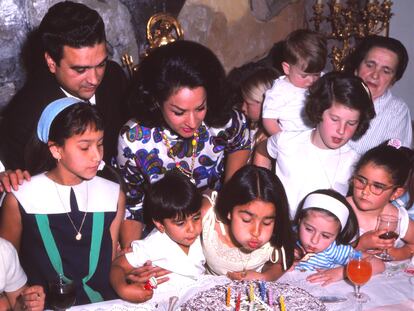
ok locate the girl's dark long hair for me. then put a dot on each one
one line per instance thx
(250, 183)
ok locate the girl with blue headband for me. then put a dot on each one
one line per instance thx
(65, 221)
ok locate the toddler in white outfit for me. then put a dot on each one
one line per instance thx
(304, 57)
(174, 244)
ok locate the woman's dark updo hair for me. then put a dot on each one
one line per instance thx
(173, 66)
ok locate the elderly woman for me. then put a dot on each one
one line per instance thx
(380, 62)
(182, 121)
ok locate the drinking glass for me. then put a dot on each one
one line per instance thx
(62, 293)
(391, 225)
(359, 271)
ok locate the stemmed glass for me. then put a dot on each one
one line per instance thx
(391, 225)
(62, 293)
(359, 271)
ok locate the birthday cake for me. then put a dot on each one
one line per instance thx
(253, 296)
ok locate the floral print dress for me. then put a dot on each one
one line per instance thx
(143, 155)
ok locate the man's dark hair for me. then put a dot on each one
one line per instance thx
(72, 24)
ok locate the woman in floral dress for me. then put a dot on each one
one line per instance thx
(182, 121)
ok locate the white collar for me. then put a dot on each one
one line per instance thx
(92, 100)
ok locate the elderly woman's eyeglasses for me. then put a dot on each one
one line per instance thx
(361, 183)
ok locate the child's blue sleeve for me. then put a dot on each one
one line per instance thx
(342, 254)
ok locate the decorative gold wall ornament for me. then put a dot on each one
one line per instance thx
(350, 20)
(162, 28)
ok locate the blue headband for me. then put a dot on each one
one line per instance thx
(50, 113)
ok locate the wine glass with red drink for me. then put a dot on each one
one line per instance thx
(359, 271)
(390, 224)
(62, 293)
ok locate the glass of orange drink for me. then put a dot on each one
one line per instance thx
(359, 271)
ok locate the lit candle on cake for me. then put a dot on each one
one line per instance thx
(251, 292)
(282, 303)
(262, 288)
(228, 296)
(238, 301)
(270, 296)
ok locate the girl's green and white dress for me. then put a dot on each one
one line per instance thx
(54, 217)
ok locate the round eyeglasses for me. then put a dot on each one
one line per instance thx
(361, 183)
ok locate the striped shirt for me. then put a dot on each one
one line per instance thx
(392, 120)
(332, 257)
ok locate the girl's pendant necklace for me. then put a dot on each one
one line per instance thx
(78, 235)
(170, 151)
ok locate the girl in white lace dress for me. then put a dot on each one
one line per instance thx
(246, 232)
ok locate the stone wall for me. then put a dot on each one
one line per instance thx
(233, 30)
(239, 31)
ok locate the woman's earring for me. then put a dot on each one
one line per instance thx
(229, 216)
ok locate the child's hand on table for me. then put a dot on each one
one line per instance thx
(326, 276)
(144, 273)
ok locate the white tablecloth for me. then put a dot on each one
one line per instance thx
(159, 303)
(395, 292)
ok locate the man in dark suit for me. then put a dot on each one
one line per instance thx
(75, 64)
